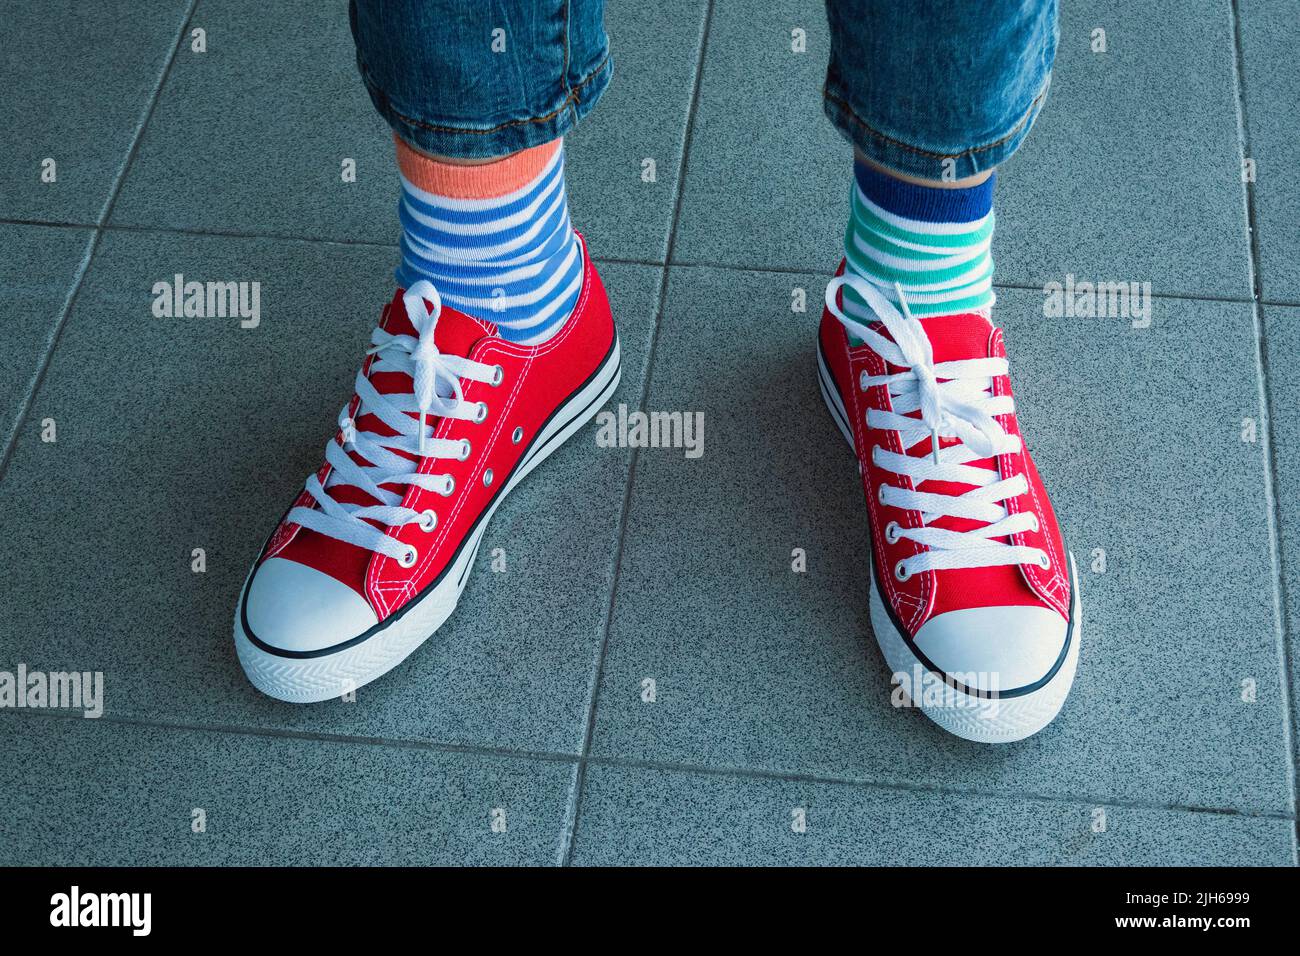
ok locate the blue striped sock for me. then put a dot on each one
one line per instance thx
(513, 259)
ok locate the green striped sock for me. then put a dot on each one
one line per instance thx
(943, 267)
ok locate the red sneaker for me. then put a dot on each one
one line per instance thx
(372, 557)
(972, 600)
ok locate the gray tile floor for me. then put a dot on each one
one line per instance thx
(522, 733)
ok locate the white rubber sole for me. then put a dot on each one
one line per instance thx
(981, 719)
(333, 674)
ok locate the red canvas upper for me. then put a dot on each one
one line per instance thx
(926, 594)
(537, 380)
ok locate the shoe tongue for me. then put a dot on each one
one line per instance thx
(957, 337)
(455, 332)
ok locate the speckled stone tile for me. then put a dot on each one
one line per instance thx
(177, 434)
(639, 817)
(623, 204)
(37, 272)
(768, 176)
(251, 135)
(1133, 170)
(1137, 431)
(1270, 35)
(78, 79)
(94, 793)
(267, 126)
(1282, 335)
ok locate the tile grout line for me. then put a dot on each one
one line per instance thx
(1172, 296)
(615, 260)
(83, 268)
(134, 149)
(623, 763)
(777, 776)
(574, 809)
(579, 762)
(315, 736)
(1025, 286)
(241, 234)
(1273, 506)
(60, 318)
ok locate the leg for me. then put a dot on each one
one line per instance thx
(933, 97)
(479, 99)
(479, 81)
(496, 349)
(940, 92)
(972, 589)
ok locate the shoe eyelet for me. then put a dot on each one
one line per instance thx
(1045, 562)
(891, 532)
(481, 413)
(1034, 526)
(517, 436)
(408, 558)
(428, 520)
(900, 571)
(862, 381)
(448, 487)
(880, 492)
(487, 478)
(498, 376)
(465, 448)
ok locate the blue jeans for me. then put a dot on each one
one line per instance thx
(932, 88)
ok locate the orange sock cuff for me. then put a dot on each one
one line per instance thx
(474, 180)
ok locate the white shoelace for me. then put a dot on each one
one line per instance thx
(437, 392)
(962, 406)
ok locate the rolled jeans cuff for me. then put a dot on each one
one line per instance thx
(939, 91)
(437, 80)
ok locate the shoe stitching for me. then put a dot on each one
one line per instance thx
(377, 576)
(921, 603)
(1046, 589)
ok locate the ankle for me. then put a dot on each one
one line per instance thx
(472, 178)
(494, 238)
(922, 243)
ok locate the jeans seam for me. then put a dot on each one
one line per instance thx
(570, 99)
(564, 77)
(852, 114)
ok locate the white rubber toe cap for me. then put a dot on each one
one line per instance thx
(292, 607)
(994, 649)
